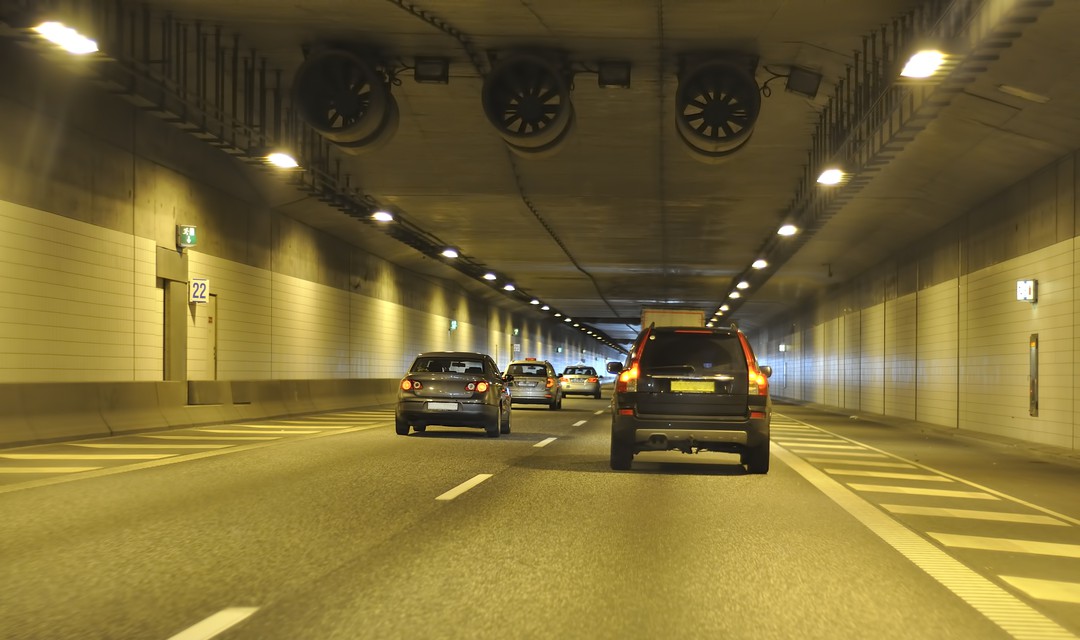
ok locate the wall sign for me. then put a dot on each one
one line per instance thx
(199, 291)
(185, 236)
(1026, 290)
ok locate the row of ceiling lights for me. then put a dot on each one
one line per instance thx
(927, 65)
(73, 42)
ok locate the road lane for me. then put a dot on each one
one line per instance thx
(341, 536)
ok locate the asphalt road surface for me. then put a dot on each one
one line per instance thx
(332, 526)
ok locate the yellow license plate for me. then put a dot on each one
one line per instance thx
(693, 386)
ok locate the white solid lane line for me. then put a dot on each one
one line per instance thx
(972, 514)
(847, 454)
(216, 624)
(1054, 590)
(214, 438)
(807, 445)
(914, 491)
(984, 543)
(464, 486)
(86, 456)
(545, 442)
(580, 422)
(150, 446)
(248, 431)
(14, 470)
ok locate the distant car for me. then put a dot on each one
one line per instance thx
(581, 380)
(453, 389)
(534, 382)
(691, 389)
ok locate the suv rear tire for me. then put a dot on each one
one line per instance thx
(757, 459)
(622, 454)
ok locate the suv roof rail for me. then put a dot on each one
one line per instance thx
(734, 327)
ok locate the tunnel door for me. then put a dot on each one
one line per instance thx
(202, 340)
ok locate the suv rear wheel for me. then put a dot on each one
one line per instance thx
(757, 459)
(622, 454)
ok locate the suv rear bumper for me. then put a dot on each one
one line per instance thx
(659, 433)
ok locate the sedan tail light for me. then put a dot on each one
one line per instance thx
(411, 385)
(591, 380)
(478, 387)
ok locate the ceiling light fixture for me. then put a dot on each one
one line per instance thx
(66, 38)
(788, 230)
(545, 308)
(759, 264)
(490, 276)
(743, 285)
(724, 307)
(382, 216)
(831, 176)
(734, 295)
(509, 287)
(282, 160)
(923, 64)
(534, 301)
(450, 252)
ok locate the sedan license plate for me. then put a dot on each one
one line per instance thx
(442, 406)
(693, 386)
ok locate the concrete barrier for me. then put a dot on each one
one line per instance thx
(45, 412)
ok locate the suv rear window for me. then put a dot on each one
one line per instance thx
(696, 354)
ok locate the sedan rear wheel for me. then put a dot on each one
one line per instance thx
(492, 429)
(505, 427)
(401, 426)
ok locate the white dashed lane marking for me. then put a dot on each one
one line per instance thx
(580, 422)
(216, 624)
(545, 442)
(464, 486)
(215, 438)
(151, 446)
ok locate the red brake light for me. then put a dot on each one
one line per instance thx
(482, 386)
(550, 383)
(594, 379)
(410, 385)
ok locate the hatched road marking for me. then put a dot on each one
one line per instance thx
(86, 456)
(971, 514)
(216, 624)
(922, 477)
(915, 491)
(1054, 590)
(14, 470)
(1007, 544)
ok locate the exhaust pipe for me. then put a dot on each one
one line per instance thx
(658, 441)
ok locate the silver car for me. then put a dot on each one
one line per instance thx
(581, 380)
(534, 382)
(453, 389)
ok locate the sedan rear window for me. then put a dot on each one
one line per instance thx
(447, 365)
(697, 354)
(527, 370)
(580, 371)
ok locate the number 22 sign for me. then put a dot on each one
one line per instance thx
(199, 290)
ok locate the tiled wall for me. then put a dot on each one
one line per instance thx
(77, 302)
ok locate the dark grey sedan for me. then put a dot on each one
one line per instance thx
(453, 389)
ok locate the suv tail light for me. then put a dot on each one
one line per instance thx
(759, 384)
(550, 383)
(627, 381)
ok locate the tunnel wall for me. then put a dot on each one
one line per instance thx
(91, 190)
(935, 333)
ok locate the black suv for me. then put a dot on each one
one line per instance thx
(691, 389)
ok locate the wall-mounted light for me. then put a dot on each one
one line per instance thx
(783, 347)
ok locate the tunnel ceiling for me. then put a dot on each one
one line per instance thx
(622, 213)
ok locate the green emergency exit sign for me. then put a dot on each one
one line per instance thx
(185, 236)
